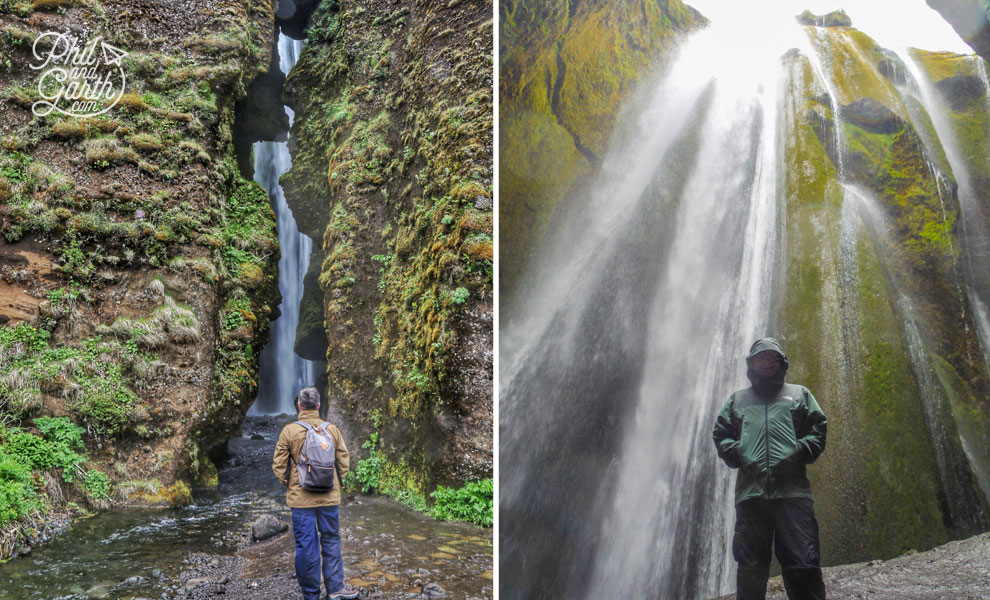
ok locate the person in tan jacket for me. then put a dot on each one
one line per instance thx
(315, 516)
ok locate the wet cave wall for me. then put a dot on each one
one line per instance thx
(880, 262)
(392, 178)
(877, 318)
(138, 264)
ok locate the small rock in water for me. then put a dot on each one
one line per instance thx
(265, 527)
(423, 572)
(98, 591)
(257, 436)
(433, 590)
(136, 579)
(157, 573)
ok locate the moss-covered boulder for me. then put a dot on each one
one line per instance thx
(836, 18)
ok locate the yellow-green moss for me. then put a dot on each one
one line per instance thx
(852, 66)
(564, 78)
(902, 505)
(942, 65)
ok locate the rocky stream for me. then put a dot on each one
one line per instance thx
(207, 549)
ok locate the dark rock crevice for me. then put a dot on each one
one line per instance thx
(260, 115)
(293, 16)
(558, 83)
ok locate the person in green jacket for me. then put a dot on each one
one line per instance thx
(770, 432)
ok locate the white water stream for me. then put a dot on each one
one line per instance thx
(283, 372)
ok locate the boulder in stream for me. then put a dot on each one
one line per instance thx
(266, 526)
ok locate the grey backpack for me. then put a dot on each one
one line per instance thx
(316, 462)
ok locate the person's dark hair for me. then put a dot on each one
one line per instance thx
(309, 398)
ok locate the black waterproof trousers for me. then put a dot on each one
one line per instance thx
(789, 525)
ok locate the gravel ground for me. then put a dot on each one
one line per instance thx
(957, 570)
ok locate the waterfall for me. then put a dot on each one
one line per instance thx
(283, 372)
(631, 324)
(633, 335)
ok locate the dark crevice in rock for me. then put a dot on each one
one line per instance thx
(311, 335)
(293, 16)
(590, 156)
(260, 115)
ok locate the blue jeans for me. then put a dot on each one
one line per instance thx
(306, 523)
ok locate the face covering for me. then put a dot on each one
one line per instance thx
(767, 385)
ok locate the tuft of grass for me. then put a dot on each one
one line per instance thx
(170, 323)
(69, 129)
(145, 141)
(104, 152)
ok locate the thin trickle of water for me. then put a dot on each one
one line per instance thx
(961, 504)
(983, 70)
(975, 233)
(833, 97)
(283, 372)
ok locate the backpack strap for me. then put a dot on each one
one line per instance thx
(306, 426)
(336, 465)
(322, 428)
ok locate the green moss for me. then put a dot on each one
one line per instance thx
(151, 492)
(902, 506)
(943, 65)
(392, 173)
(877, 487)
(971, 416)
(541, 163)
(560, 90)
(852, 63)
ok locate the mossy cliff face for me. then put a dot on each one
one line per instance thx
(875, 318)
(392, 177)
(960, 84)
(565, 68)
(142, 262)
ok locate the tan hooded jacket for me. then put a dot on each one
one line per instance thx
(291, 441)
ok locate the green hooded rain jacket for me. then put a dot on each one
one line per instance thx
(770, 432)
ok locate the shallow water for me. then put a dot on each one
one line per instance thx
(111, 547)
(142, 553)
